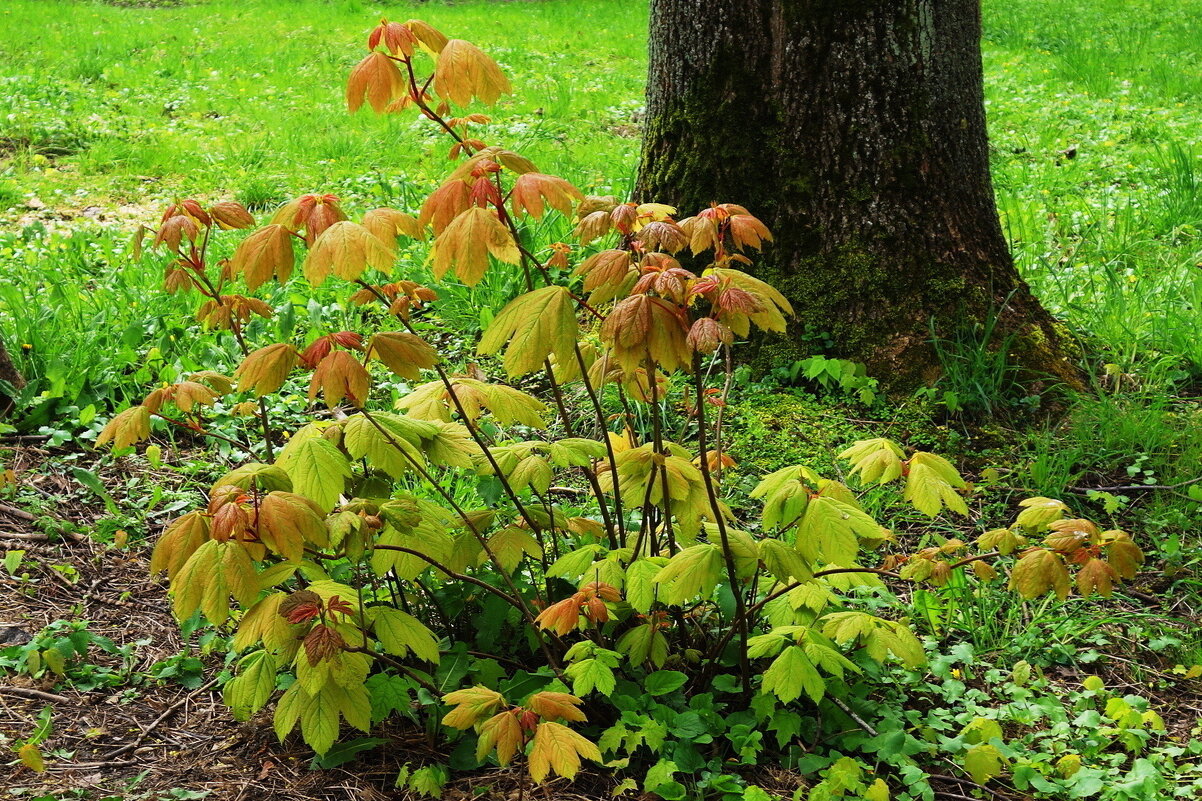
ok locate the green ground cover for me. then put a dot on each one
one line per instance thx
(109, 112)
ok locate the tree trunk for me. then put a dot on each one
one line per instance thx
(9, 373)
(856, 130)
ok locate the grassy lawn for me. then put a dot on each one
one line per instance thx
(108, 112)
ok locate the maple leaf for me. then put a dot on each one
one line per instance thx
(1122, 554)
(403, 353)
(301, 606)
(340, 375)
(466, 242)
(126, 428)
(535, 325)
(534, 191)
(663, 235)
(178, 542)
(770, 305)
(511, 544)
(1039, 571)
(263, 371)
(186, 395)
(313, 213)
(644, 643)
(562, 616)
(214, 572)
(1038, 512)
(702, 232)
(322, 642)
(643, 327)
(707, 335)
(555, 706)
(932, 482)
(317, 468)
(444, 204)
(264, 254)
(747, 231)
(1002, 540)
(254, 685)
(472, 704)
(692, 572)
(875, 460)
(607, 274)
(1096, 575)
(432, 401)
(502, 732)
(346, 249)
(173, 231)
(220, 384)
(791, 674)
(829, 529)
(230, 215)
(287, 521)
(387, 224)
(463, 71)
(401, 633)
(397, 39)
(557, 748)
(377, 79)
(1069, 535)
(430, 37)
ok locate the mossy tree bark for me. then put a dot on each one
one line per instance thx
(10, 374)
(856, 130)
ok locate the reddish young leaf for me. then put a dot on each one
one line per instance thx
(445, 204)
(405, 354)
(174, 230)
(642, 327)
(397, 39)
(322, 642)
(287, 521)
(229, 215)
(377, 79)
(561, 617)
(340, 375)
(264, 254)
(301, 606)
(263, 371)
(463, 71)
(534, 191)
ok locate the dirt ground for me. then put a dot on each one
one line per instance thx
(153, 739)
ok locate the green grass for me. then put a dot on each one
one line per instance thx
(245, 98)
(109, 106)
(1110, 237)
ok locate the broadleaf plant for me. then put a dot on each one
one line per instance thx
(489, 549)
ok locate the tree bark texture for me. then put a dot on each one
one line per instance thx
(856, 130)
(8, 370)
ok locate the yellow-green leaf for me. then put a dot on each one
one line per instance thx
(535, 325)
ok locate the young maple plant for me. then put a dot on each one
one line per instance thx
(569, 546)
